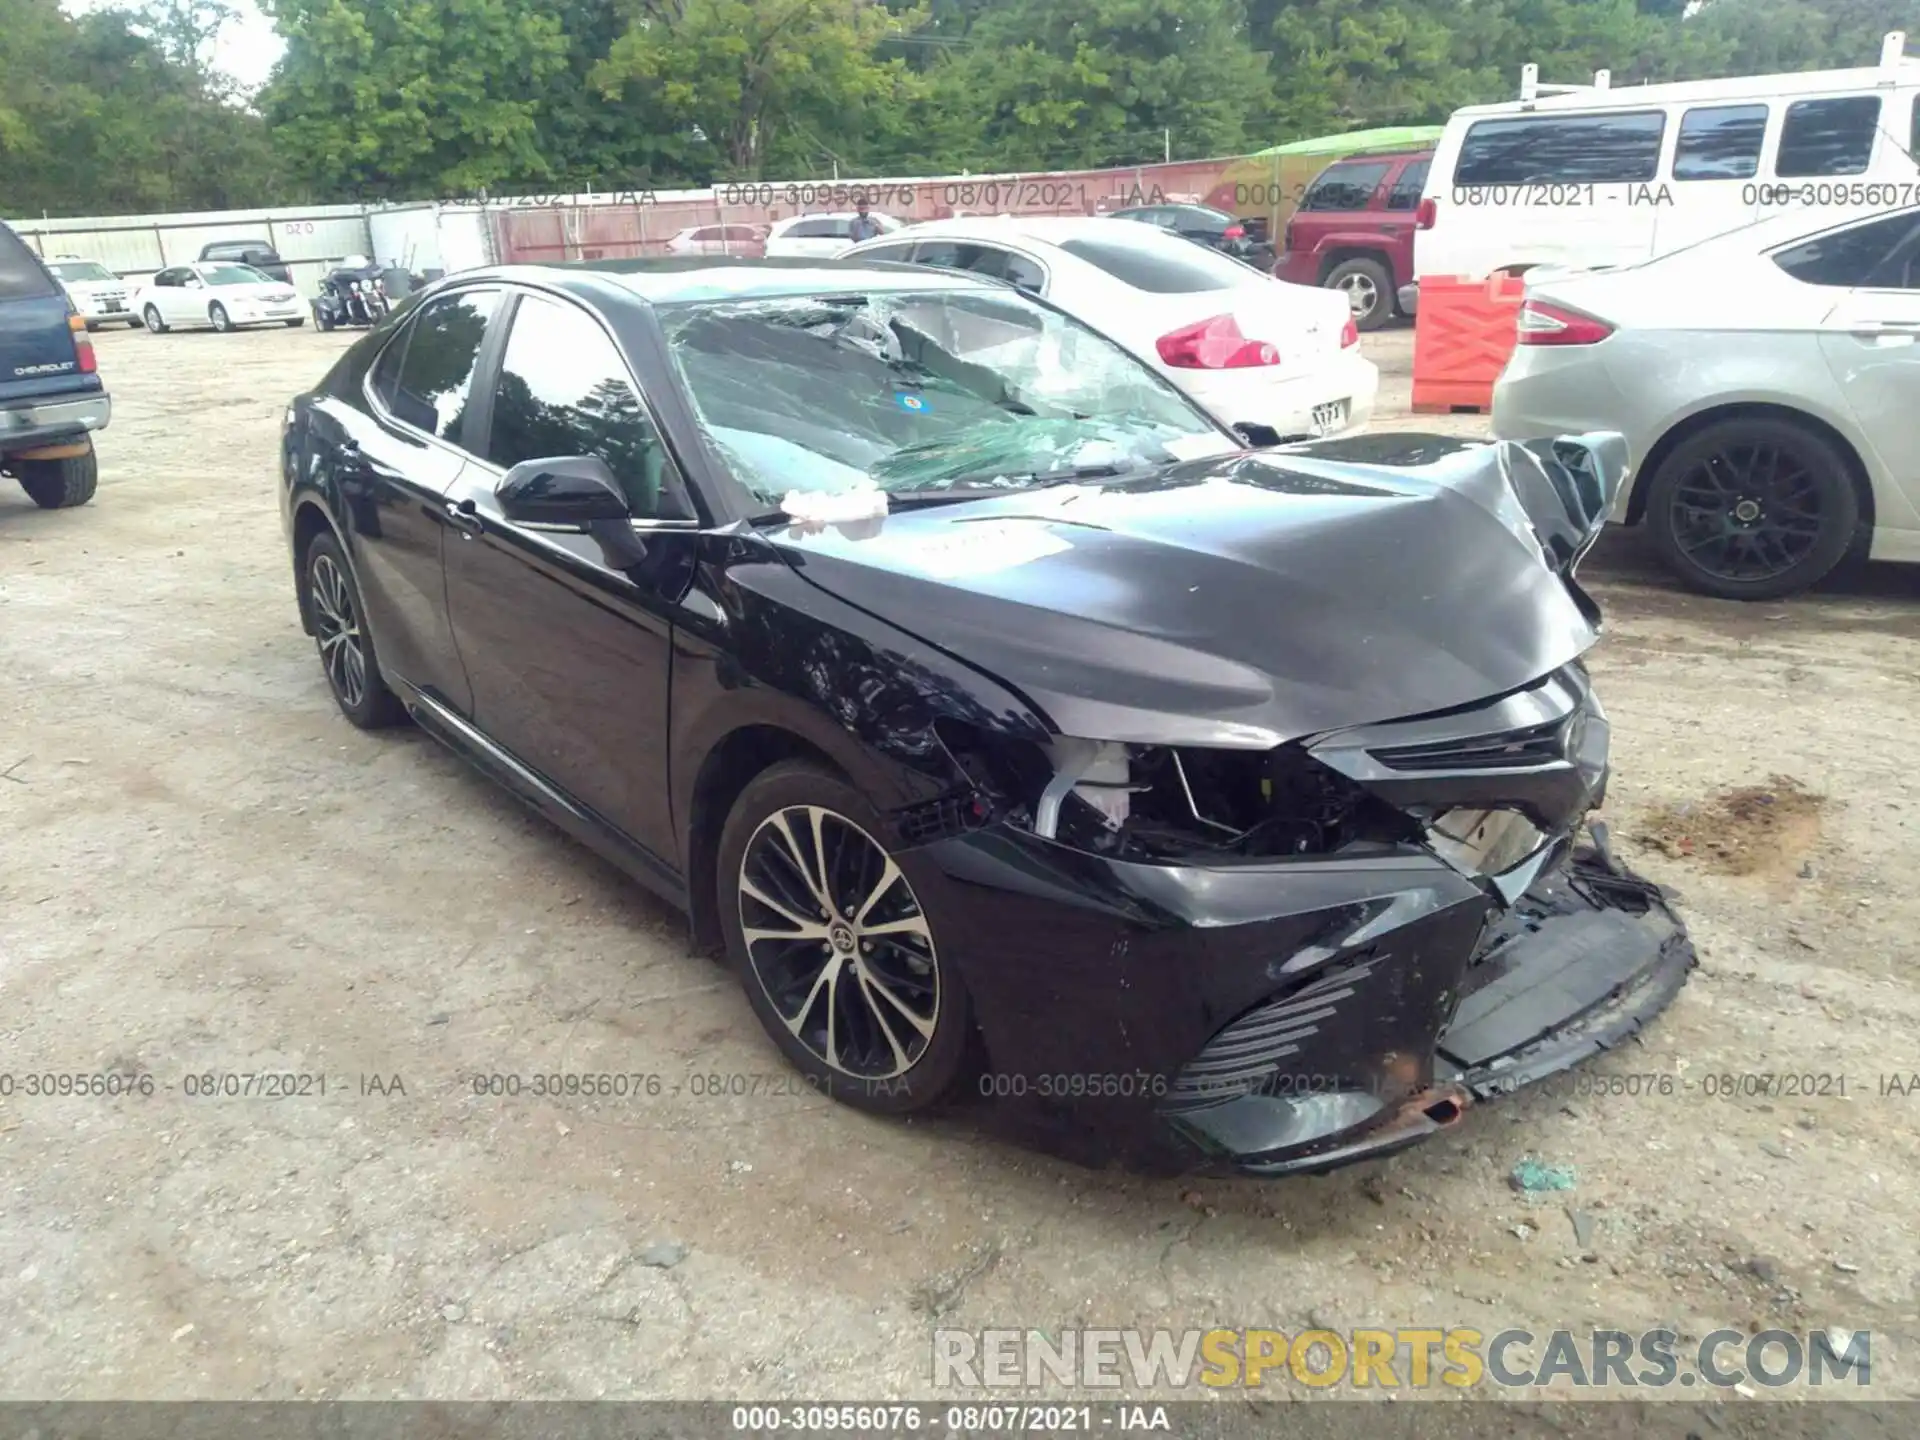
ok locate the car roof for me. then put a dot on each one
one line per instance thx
(671, 280)
(1772, 232)
(1424, 152)
(1753, 89)
(1049, 229)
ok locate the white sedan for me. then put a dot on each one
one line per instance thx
(1766, 381)
(219, 293)
(1251, 350)
(818, 236)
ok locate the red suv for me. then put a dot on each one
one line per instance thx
(1353, 231)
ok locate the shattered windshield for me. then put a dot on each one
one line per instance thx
(922, 391)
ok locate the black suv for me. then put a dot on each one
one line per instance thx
(51, 398)
(1244, 238)
(257, 253)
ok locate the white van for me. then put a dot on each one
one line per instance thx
(1588, 177)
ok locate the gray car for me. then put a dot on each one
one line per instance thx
(1768, 383)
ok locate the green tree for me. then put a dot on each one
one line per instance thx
(1057, 83)
(761, 82)
(414, 98)
(96, 118)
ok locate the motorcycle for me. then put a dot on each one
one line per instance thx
(351, 295)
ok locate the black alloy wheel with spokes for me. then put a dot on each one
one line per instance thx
(834, 946)
(346, 646)
(1753, 509)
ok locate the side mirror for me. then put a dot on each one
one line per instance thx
(1257, 437)
(572, 491)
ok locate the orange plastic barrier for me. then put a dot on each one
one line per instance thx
(1463, 332)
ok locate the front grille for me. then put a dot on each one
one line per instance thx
(1504, 750)
(1239, 1060)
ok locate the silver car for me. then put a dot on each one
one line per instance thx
(1768, 383)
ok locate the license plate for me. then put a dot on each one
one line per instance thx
(1329, 417)
(111, 306)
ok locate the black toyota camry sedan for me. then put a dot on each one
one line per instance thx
(1013, 730)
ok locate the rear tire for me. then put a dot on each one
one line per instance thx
(347, 658)
(59, 484)
(1369, 291)
(1753, 509)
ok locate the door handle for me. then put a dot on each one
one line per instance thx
(465, 518)
(1888, 330)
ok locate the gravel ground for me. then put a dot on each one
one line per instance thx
(203, 869)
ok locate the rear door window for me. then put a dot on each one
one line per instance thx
(1005, 265)
(1163, 267)
(436, 374)
(1345, 187)
(1720, 142)
(1407, 190)
(1878, 254)
(1828, 137)
(21, 277)
(1606, 149)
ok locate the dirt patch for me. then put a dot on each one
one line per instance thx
(1755, 829)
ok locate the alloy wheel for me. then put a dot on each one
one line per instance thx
(838, 942)
(1747, 512)
(221, 320)
(337, 631)
(1362, 294)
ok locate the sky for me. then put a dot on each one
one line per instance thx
(246, 50)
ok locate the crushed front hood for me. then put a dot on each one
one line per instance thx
(1254, 598)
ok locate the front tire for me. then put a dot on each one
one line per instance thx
(155, 325)
(1369, 290)
(345, 643)
(1752, 509)
(59, 484)
(217, 313)
(832, 942)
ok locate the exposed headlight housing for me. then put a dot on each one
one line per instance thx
(1484, 843)
(1162, 802)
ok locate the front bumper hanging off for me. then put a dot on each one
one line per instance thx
(1587, 957)
(1284, 1018)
